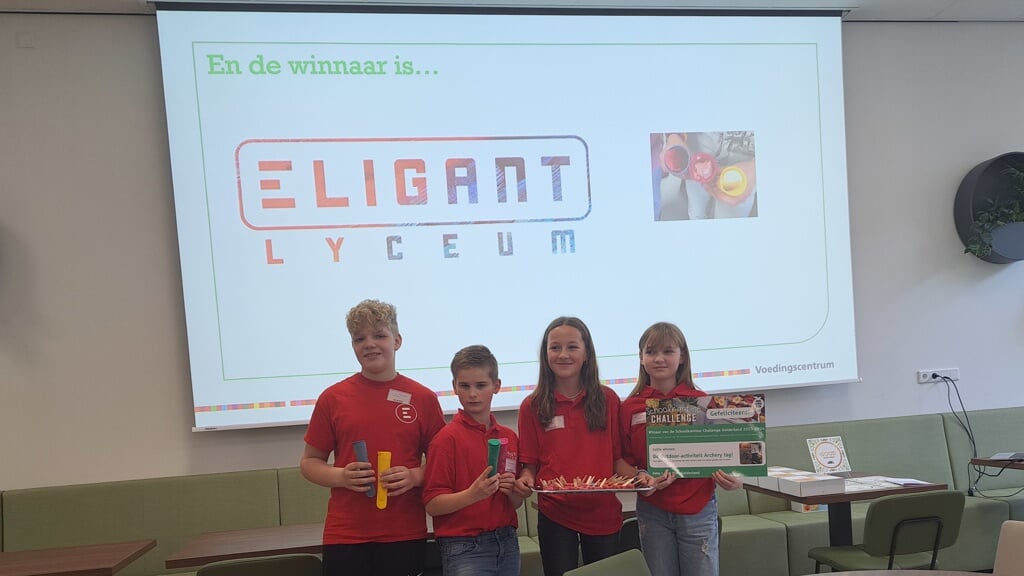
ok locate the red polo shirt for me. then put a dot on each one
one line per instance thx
(400, 416)
(568, 448)
(685, 495)
(457, 456)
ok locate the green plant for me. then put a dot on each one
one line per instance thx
(1002, 209)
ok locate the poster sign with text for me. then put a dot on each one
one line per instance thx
(693, 437)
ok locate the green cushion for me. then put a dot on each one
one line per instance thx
(301, 501)
(630, 562)
(806, 530)
(529, 557)
(1013, 497)
(997, 430)
(523, 519)
(531, 513)
(854, 558)
(877, 446)
(902, 447)
(732, 502)
(752, 545)
(169, 510)
(975, 548)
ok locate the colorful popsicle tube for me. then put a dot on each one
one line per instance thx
(383, 463)
(363, 456)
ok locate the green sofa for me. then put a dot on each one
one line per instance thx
(170, 510)
(175, 510)
(760, 534)
(905, 447)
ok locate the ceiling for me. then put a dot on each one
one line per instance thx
(855, 10)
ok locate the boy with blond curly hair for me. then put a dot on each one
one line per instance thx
(390, 413)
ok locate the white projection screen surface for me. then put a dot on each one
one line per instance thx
(488, 172)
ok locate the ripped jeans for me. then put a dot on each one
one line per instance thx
(679, 544)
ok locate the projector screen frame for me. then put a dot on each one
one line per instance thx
(487, 10)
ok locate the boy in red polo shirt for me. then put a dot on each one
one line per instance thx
(473, 505)
(390, 413)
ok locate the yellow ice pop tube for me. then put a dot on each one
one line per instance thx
(383, 464)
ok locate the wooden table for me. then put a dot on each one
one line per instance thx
(840, 523)
(271, 541)
(274, 540)
(1012, 464)
(904, 573)
(91, 560)
(253, 543)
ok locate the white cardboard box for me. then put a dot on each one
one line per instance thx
(811, 484)
(771, 481)
(798, 507)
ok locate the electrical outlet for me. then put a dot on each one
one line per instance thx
(925, 376)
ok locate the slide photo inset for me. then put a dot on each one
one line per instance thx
(703, 175)
(751, 452)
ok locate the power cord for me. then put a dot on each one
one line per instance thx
(979, 471)
(983, 472)
(972, 486)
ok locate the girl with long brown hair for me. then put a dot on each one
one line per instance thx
(569, 427)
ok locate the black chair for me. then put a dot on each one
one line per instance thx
(629, 535)
(901, 531)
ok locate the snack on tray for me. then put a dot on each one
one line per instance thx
(615, 482)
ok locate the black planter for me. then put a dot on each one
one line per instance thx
(982, 184)
(1009, 241)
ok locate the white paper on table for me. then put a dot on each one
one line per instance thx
(862, 483)
(906, 481)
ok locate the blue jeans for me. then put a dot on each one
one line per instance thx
(489, 554)
(679, 544)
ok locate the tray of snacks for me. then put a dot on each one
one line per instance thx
(590, 485)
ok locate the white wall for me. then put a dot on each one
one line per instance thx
(94, 382)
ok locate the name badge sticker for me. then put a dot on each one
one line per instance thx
(557, 422)
(638, 418)
(399, 396)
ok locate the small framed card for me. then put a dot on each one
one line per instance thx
(828, 455)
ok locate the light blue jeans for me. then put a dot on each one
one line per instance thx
(489, 554)
(679, 544)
